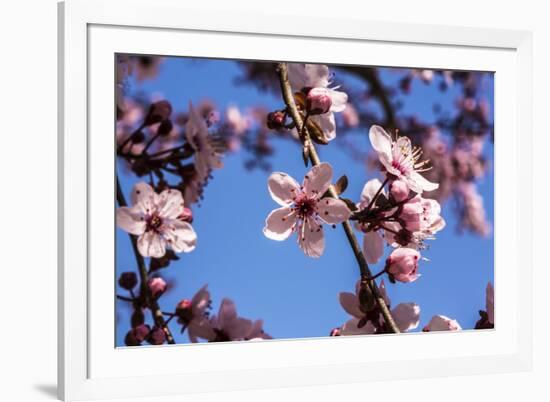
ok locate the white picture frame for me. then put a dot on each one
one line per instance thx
(89, 365)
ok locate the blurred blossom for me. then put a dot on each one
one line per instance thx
(350, 116)
(193, 315)
(228, 326)
(442, 323)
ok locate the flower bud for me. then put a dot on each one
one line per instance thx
(335, 332)
(399, 190)
(184, 311)
(137, 335)
(127, 280)
(158, 112)
(318, 101)
(186, 215)
(165, 128)
(157, 286)
(157, 336)
(402, 264)
(276, 120)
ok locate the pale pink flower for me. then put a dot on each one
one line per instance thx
(310, 76)
(228, 326)
(238, 123)
(373, 242)
(442, 323)
(399, 190)
(193, 315)
(154, 219)
(196, 132)
(400, 159)
(402, 264)
(405, 315)
(350, 116)
(303, 210)
(490, 303)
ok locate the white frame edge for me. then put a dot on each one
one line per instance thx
(74, 16)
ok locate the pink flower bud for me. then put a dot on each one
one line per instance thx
(276, 120)
(136, 335)
(184, 311)
(157, 336)
(336, 332)
(318, 101)
(402, 264)
(158, 111)
(399, 190)
(157, 286)
(127, 280)
(186, 215)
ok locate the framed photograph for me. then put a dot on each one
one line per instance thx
(248, 204)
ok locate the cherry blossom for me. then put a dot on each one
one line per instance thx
(402, 264)
(406, 315)
(442, 323)
(316, 76)
(400, 159)
(228, 326)
(303, 210)
(257, 332)
(154, 219)
(373, 242)
(193, 315)
(196, 132)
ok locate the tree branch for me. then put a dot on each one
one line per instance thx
(366, 274)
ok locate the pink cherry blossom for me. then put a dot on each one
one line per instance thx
(400, 159)
(303, 210)
(196, 132)
(154, 219)
(442, 323)
(373, 242)
(228, 326)
(257, 332)
(310, 76)
(399, 190)
(193, 315)
(402, 264)
(405, 315)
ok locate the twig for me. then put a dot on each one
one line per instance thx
(314, 157)
(151, 302)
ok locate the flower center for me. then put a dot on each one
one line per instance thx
(154, 222)
(304, 206)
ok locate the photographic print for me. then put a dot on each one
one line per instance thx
(260, 200)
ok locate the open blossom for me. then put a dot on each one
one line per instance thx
(402, 264)
(315, 77)
(373, 242)
(405, 315)
(193, 315)
(228, 326)
(154, 219)
(303, 210)
(442, 323)
(400, 159)
(196, 132)
(257, 332)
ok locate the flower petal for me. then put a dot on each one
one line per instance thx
(327, 124)
(200, 301)
(350, 328)
(420, 183)
(151, 244)
(311, 238)
(307, 75)
(339, 100)
(350, 303)
(373, 246)
(381, 142)
(130, 220)
(406, 316)
(180, 236)
(279, 223)
(318, 180)
(283, 188)
(170, 204)
(144, 197)
(200, 328)
(369, 190)
(333, 211)
(226, 313)
(238, 328)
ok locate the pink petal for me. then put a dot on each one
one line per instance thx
(318, 180)
(151, 244)
(350, 328)
(226, 313)
(200, 328)
(406, 316)
(373, 246)
(339, 100)
(130, 220)
(144, 197)
(283, 188)
(279, 223)
(200, 300)
(442, 323)
(327, 124)
(180, 236)
(170, 204)
(333, 211)
(311, 238)
(350, 303)
(419, 183)
(238, 328)
(381, 142)
(369, 190)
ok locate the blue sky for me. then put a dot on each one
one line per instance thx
(297, 296)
